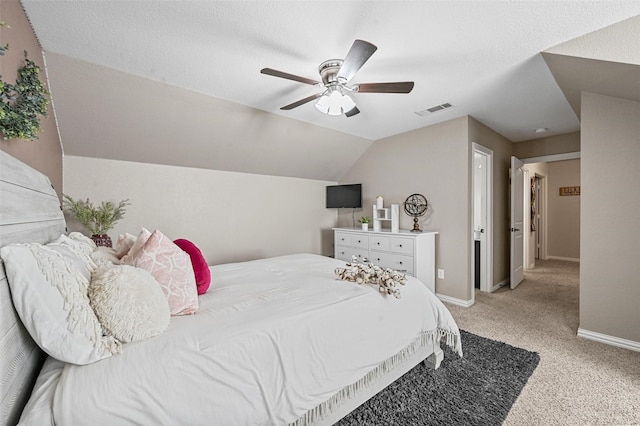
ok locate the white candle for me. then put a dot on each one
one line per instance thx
(379, 202)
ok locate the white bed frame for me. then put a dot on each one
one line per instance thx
(30, 211)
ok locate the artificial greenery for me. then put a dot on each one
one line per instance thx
(22, 103)
(97, 219)
(364, 219)
(6, 46)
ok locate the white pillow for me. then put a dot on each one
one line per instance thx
(49, 291)
(88, 251)
(128, 302)
(105, 255)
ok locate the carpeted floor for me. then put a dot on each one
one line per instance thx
(578, 381)
(477, 389)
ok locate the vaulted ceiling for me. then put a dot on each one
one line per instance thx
(483, 57)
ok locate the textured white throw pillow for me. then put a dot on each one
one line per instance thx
(49, 291)
(128, 302)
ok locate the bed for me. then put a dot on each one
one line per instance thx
(274, 341)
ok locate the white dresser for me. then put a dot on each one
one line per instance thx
(409, 252)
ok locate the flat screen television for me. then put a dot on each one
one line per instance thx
(344, 196)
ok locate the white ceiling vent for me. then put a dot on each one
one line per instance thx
(433, 109)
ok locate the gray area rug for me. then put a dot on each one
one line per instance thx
(477, 389)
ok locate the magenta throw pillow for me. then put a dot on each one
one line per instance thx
(200, 266)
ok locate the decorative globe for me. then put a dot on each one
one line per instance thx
(415, 205)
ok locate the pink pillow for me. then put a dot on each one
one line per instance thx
(125, 242)
(171, 267)
(144, 235)
(199, 263)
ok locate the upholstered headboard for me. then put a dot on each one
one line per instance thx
(29, 212)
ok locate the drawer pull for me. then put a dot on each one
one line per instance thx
(400, 246)
(378, 259)
(378, 243)
(359, 241)
(401, 263)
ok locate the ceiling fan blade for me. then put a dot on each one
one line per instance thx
(301, 102)
(397, 87)
(359, 53)
(281, 74)
(352, 112)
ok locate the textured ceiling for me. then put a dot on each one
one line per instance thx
(481, 56)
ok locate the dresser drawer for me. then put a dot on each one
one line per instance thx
(346, 254)
(343, 239)
(379, 243)
(396, 262)
(360, 241)
(401, 245)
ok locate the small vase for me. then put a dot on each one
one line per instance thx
(102, 240)
(365, 226)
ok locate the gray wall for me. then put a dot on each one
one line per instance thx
(433, 161)
(559, 144)
(609, 267)
(502, 151)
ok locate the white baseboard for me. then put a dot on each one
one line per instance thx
(568, 259)
(500, 284)
(455, 301)
(609, 340)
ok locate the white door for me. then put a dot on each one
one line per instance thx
(517, 223)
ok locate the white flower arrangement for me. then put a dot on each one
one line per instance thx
(386, 279)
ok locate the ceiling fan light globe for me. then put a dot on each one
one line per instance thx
(323, 104)
(347, 103)
(335, 103)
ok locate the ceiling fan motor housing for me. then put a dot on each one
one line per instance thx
(329, 71)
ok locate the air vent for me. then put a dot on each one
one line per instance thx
(433, 109)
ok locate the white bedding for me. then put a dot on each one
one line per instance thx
(271, 340)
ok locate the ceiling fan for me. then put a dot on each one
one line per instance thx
(336, 75)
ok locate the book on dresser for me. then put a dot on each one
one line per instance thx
(404, 251)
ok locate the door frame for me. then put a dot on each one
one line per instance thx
(486, 255)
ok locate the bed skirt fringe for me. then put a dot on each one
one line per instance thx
(425, 338)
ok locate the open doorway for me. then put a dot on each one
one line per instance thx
(552, 197)
(482, 223)
(535, 203)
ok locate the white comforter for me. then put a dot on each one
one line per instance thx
(272, 339)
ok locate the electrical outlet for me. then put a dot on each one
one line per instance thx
(441, 274)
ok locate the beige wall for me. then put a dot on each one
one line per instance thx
(231, 216)
(502, 148)
(610, 202)
(106, 113)
(563, 213)
(559, 144)
(433, 161)
(45, 153)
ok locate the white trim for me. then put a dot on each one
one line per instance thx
(609, 340)
(455, 301)
(500, 284)
(488, 261)
(568, 259)
(553, 157)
